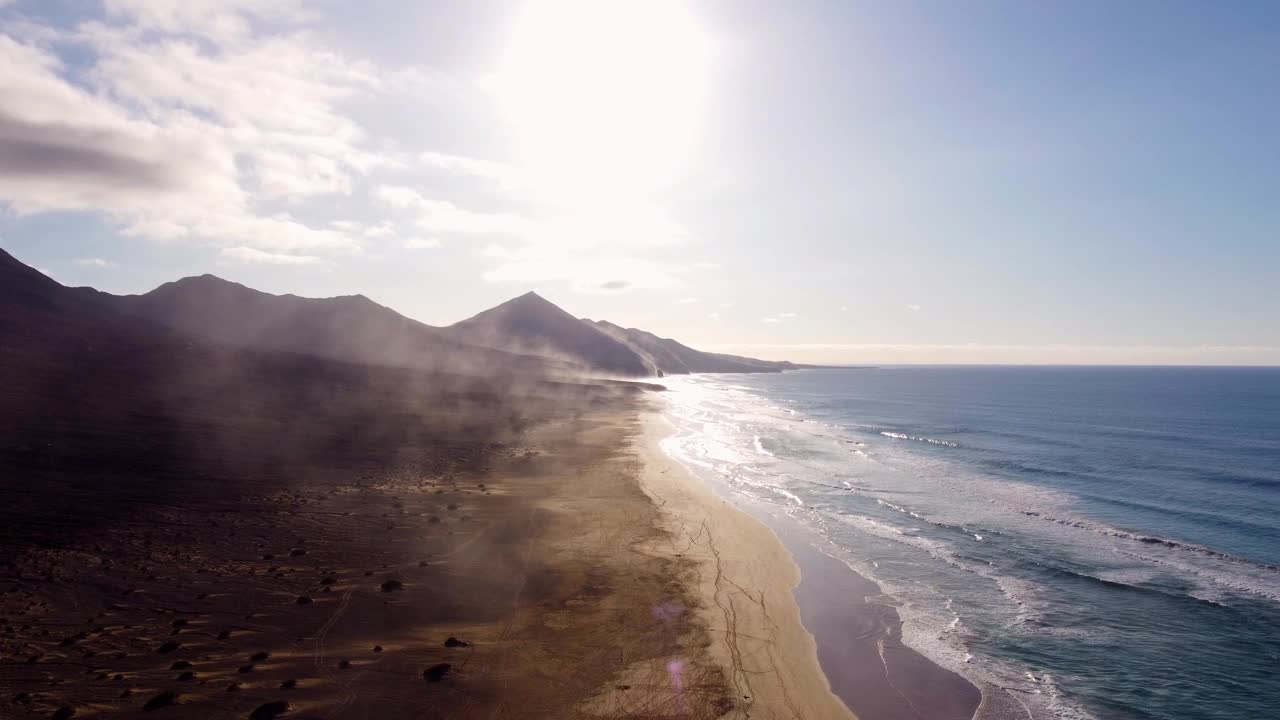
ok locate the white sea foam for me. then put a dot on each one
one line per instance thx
(916, 438)
(760, 448)
(909, 504)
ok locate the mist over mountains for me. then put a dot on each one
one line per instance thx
(527, 334)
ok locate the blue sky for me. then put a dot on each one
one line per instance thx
(826, 181)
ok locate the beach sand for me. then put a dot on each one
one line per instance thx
(744, 577)
(528, 553)
(452, 572)
(796, 629)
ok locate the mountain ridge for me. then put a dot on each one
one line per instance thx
(532, 324)
(527, 333)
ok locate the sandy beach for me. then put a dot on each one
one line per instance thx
(744, 578)
(508, 577)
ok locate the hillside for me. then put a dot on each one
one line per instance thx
(526, 335)
(531, 324)
(674, 358)
(350, 328)
(99, 400)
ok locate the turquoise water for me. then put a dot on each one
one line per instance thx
(1095, 542)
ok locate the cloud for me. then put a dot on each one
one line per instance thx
(778, 317)
(223, 20)
(184, 120)
(253, 255)
(713, 316)
(913, 308)
(726, 305)
(587, 275)
(844, 308)
(421, 243)
(380, 230)
(688, 301)
(445, 217)
(95, 262)
(231, 124)
(609, 231)
(503, 175)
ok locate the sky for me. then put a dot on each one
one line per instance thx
(861, 182)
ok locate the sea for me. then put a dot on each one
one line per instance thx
(1095, 542)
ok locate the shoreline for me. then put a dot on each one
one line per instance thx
(851, 635)
(745, 579)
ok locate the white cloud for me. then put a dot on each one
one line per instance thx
(421, 243)
(713, 316)
(778, 317)
(445, 217)
(397, 196)
(726, 305)
(688, 301)
(844, 308)
(181, 119)
(913, 308)
(500, 173)
(589, 275)
(95, 262)
(199, 121)
(253, 255)
(223, 20)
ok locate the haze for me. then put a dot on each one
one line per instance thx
(870, 182)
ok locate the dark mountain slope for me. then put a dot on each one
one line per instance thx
(676, 358)
(120, 413)
(530, 324)
(526, 335)
(351, 328)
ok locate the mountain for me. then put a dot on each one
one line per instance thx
(104, 411)
(350, 328)
(526, 335)
(674, 358)
(531, 324)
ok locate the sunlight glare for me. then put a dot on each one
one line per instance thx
(603, 93)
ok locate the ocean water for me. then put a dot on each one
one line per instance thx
(1095, 542)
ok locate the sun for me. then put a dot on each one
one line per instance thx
(604, 93)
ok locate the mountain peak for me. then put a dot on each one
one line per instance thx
(529, 298)
(531, 323)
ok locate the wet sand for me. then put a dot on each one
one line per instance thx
(860, 645)
(837, 635)
(744, 578)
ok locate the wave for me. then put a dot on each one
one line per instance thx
(916, 438)
(760, 447)
(928, 525)
(1019, 468)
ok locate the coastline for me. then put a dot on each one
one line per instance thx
(744, 578)
(844, 649)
